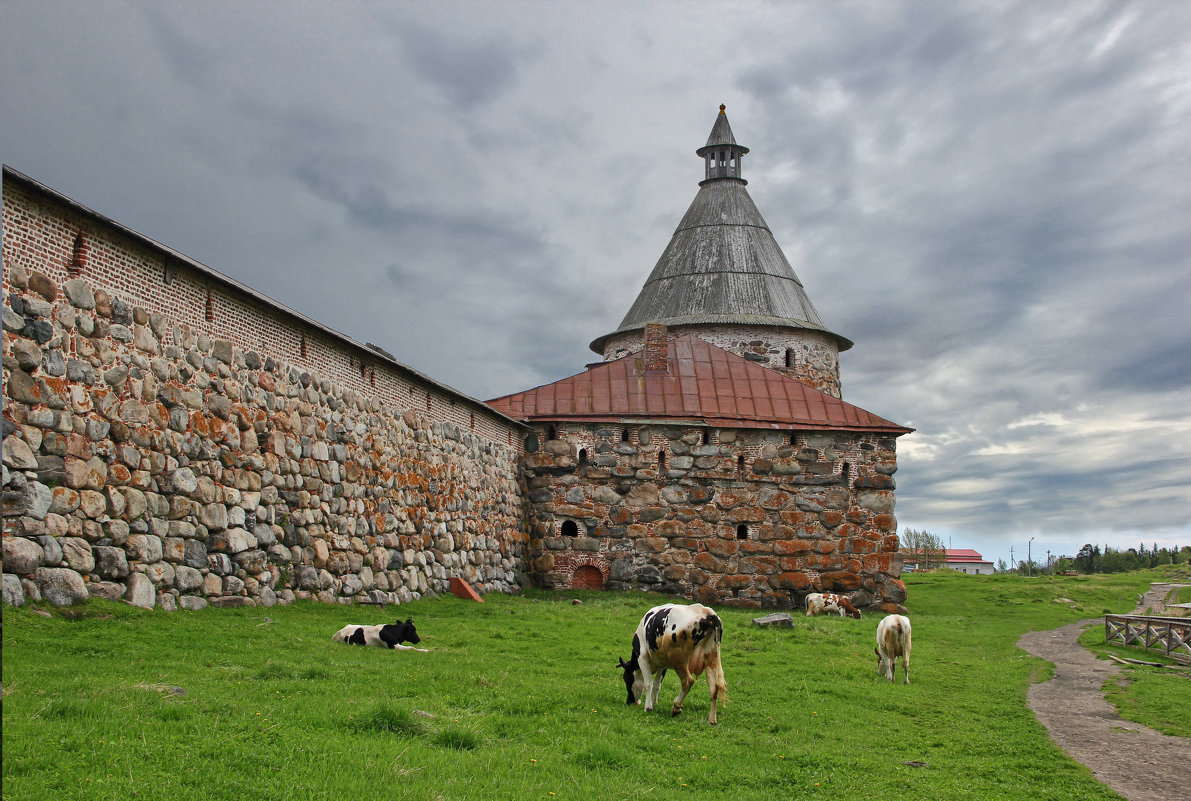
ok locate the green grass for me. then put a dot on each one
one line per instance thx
(520, 698)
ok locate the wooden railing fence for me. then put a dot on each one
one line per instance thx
(1170, 635)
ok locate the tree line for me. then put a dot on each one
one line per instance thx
(1094, 559)
(927, 550)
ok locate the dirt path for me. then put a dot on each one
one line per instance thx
(1135, 761)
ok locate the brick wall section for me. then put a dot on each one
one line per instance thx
(810, 357)
(657, 343)
(816, 511)
(169, 443)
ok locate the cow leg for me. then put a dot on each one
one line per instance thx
(688, 681)
(713, 690)
(655, 689)
(649, 684)
(906, 666)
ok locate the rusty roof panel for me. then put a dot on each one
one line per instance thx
(702, 382)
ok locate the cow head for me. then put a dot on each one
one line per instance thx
(884, 666)
(409, 633)
(632, 682)
(395, 633)
(849, 610)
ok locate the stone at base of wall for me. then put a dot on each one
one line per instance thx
(14, 594)
(107, 590)
(232, 602)
(61, 586)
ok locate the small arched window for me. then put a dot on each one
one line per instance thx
(740, 464)
(845, 474)
(583, 462)
(742, 532)
(791, 359)
(551, 433)
(706, 436)
(570, 528)
(624, 434)
(661, 463)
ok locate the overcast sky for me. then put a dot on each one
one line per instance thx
(991, 199)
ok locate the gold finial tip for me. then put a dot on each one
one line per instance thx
(722, 107)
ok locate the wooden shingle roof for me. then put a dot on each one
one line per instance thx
(722, 266)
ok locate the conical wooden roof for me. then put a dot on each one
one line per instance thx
(721, 134)
(722, 265)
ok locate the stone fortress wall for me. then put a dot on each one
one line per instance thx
(742, 518)
(175, 439)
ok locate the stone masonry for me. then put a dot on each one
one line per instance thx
(152, 455)
(733, 517)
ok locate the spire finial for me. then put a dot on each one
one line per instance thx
(722, 107)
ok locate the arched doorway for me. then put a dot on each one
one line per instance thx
(588, 577)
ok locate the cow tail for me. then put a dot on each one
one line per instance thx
(714, 668)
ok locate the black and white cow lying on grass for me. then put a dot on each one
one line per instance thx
(686, 638)
(387, 636)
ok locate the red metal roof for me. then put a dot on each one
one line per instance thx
(701, 383)
(963, 555)
(950, 556)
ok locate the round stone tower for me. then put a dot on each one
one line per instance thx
(724, 279)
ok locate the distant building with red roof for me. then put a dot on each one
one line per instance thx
(964, 560)
(710, 455)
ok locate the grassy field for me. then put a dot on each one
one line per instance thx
(520, 698)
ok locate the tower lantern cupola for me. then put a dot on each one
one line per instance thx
(721, 154)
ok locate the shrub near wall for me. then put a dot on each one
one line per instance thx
(148, 460)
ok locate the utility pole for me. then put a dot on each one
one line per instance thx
(1012, 564)
(1029, 559)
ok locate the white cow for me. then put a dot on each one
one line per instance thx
(893, 640)
(686, 638)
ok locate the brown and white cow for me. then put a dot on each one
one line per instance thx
(893, 640)
(686, 638)
(818, 602)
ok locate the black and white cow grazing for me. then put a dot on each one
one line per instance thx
(686, 638)
(387, 636)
